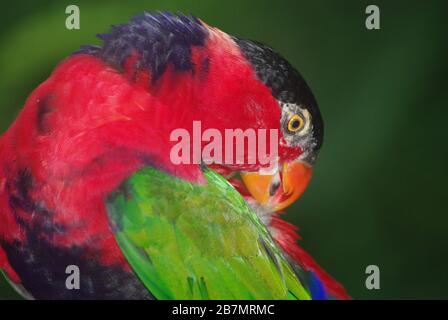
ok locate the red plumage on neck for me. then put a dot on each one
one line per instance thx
(287, 237)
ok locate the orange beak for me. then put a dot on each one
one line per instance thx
(294, 179)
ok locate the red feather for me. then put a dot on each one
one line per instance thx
(287, 237)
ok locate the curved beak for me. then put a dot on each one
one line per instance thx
(281, 189)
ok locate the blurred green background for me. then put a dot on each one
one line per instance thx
(379, 190)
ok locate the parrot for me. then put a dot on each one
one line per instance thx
(86, 177)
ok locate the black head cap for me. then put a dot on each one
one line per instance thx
(285, 82)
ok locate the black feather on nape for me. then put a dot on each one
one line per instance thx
(276, 72)
(160, 39)
(286, 83)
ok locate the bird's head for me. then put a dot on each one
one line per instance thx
(199, 73)
(300, 123)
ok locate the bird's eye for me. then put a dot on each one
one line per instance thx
(296, 123)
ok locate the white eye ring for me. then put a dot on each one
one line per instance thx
(292, 111)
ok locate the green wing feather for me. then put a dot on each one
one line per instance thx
(188, 241)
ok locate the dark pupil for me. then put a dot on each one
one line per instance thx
(295, 124)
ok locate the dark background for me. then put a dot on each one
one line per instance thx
(379, 191)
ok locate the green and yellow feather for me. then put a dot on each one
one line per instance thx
(192, 241)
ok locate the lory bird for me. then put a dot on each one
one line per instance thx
(86, 177)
